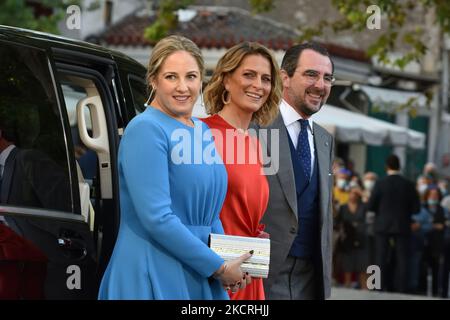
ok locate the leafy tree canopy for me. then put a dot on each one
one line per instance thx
(353, 16)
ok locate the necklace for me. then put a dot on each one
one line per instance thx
(243, 131)
(238, 130)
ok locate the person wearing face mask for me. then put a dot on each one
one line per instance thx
(351, 223)
(369, 181)
(340, 198)
(421, 224)
(443, 187)
(355, 181)
(435, 238)
(430, 172)
(340, 191)
(422, 186)
(445, 203)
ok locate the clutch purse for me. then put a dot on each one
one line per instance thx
(232, 247)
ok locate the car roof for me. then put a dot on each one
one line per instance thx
(50, 41)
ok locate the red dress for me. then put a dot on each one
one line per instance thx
(248, 190)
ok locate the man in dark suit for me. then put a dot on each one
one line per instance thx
(299, 213)
(394, 200)
(29, 178)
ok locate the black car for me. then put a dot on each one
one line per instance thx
(63, 107)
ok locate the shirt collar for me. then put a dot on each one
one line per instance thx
(5, 153)
(393, 172)
(290, 116)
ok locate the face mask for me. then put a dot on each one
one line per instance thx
(422, 188)
(432, 202)
(341, 183)
(443, 190)
(353, 184)
(368, 184)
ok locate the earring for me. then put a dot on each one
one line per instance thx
(223, 97)
(149, 97)
(201, 97)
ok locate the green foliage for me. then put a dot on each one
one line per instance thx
(353, 17)
(166, 19)
(260, 6)
(395, 15)
(17, 13)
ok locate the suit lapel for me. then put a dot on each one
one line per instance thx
(8, 174)
(285, 172)
(323, 145)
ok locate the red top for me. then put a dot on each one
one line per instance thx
(248, 190)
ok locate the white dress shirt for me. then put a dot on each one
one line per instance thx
(290, 119)
(3, 156)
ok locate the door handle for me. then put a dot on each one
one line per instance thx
(76, 247)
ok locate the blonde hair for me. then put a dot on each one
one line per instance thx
(164, 48)
(229, 62)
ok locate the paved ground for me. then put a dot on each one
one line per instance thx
(353, 294)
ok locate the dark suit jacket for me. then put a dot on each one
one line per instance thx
(32, 179)
(394, 199)
(281, 215)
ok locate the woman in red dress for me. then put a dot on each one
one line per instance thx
(245, 87)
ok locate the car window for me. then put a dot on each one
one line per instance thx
(139, 92)
(35, 164)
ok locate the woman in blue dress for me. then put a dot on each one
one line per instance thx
(170, 195)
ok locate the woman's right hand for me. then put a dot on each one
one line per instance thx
(231, 274)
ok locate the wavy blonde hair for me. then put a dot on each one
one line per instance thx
(164, 48)
(229, 62)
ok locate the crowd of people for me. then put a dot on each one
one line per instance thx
(417, 242)
(172, 199)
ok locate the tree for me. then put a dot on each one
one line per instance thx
(166, 18)
(355, 16)
(21, 13)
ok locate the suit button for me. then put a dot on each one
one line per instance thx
(293, 229)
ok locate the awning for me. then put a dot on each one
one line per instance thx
(386, 98)
(352, 127)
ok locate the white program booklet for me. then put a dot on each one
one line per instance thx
(231, 247)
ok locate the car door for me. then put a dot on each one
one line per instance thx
(92, 95)
(47, 245)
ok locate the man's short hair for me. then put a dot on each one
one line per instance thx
(392, 162)
(290, 59)
(8, 123)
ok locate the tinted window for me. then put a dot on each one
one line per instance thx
(35, 162)
(38, 250)
(139, 93)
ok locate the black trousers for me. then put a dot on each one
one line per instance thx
(446, 270)
(391, 255)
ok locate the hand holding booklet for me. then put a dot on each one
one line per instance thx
(232, 247)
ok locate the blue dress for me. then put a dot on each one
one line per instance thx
(170, 202)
